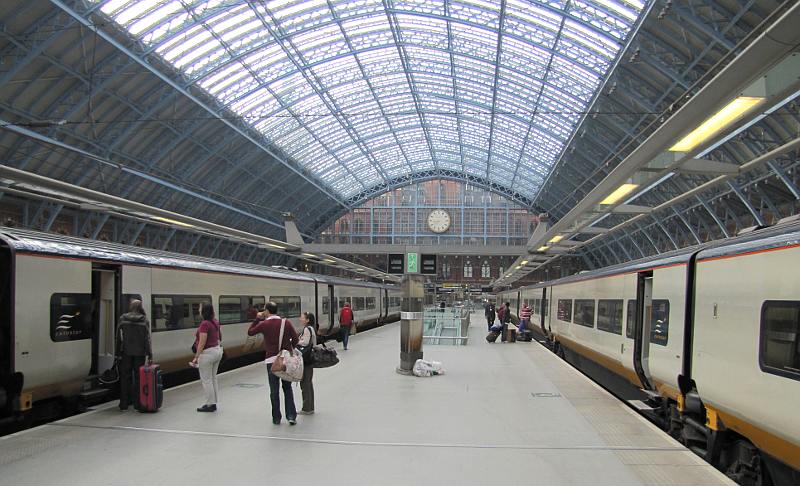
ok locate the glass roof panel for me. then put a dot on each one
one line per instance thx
(362, 91)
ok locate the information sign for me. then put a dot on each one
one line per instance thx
(412, 262)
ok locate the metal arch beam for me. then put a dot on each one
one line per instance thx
(401, 51)
(495, 85)
(756, 214)
(688, 226)
(784, 178)
(130, 105)
(108, 38)
(713, 215)
(368, 80)
(295, 56)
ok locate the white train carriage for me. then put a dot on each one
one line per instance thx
(60, 299)
(714, 331)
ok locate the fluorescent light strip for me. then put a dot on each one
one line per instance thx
(618, 194)
(556, 239)
(749, 124)
(172, 221)
(717, 122)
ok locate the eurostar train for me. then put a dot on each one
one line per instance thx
(708, 336)
(61, 298)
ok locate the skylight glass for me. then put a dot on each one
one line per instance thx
(361, 92)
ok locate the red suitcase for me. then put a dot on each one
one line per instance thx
(151, 389)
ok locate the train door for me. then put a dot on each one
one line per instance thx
(544, 313)
(6, 309)
(106, 291)
(331, 309)
(385, 305)
(644, 309)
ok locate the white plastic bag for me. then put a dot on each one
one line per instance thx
(427, 368)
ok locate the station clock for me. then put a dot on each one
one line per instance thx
(439, 221)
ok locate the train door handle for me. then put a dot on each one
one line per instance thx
(622, 348)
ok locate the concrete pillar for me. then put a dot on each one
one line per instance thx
(411, 322)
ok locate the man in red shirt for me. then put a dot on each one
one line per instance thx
(345, 321)
(268, 324)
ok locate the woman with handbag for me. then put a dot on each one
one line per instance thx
(207, 356)
(308, 339)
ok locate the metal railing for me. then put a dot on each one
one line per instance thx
(445, 326)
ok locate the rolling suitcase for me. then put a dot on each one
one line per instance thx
(526, 336)
(151, 389)
(492, 336)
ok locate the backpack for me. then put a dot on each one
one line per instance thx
(347, 316)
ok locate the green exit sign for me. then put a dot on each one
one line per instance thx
(412, 263)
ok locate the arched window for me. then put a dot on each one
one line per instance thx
(445, 270)
(486, 270)
(468, 269)
(500, 271)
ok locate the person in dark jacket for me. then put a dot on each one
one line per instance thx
(133, 349)
(490, 315)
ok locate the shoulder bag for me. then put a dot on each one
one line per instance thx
(288, 365)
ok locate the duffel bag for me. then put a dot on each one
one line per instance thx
(322, 357)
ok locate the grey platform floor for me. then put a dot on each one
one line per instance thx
(503, 414)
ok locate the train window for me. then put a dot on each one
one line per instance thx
(326, 303)
(565, 310)
(358, 303)
(546, 307)
(288, 306)
(630, 323)
(344, 300)
(370, 302)
(234, 309)
(779, 350)
(584, 312)
(70, 317)
(659, 322)
(177, 311)
(609, 316)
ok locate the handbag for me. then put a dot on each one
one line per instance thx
(219, 336)
(288, 366)
(323, 357)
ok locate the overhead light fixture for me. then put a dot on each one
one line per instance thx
(543, 248)
(556, 239)
(273, 245)
(518, 267)
(719, 121)
(621, 192)
(172, 221)
(328, 260)
(523, 262)
(310, 255)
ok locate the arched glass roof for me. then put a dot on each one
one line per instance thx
(361, 92)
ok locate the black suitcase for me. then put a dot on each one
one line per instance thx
(492, 336)
(525, 335)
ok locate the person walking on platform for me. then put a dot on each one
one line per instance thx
(133, 348)
(308, 339)
(505, 317)
(207, 356)
(491, 315)
(268, 324)
(345, 322)
(524, 317)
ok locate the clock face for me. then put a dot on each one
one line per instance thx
(439, 221)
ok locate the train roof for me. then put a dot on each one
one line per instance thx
(69, 246)
(761, 240)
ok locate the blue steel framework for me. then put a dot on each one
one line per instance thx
(360, 93)
(478, 217)
(191, 154)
